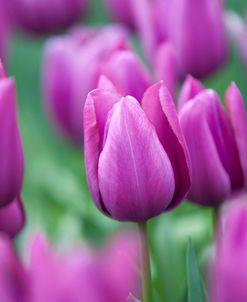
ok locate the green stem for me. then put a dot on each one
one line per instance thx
(145, 263)
(215, 218)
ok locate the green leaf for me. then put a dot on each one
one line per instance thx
(195, 287)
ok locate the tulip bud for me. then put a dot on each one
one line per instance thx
(13, 278)
(216, 140)
(191, 87)
(12, 218)
(11, 153)
(127, 73)
(42, 17)
(120, 11)
(4, 31)
(166, 67)
(136, 160)
(190, 26)
(73, 65)
(229, 275)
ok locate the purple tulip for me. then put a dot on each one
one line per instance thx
(90, 274)
(229, 272)
(4, 31)
(73, 65)
(136, 160)
(166, 67)
(120, 11)
(12, 218)
(217, 143)
(190, 26)
(11, 153)
(13, 278)
(237, 29)
(41, 17)
(190, 88)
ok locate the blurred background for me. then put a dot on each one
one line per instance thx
(55, 193)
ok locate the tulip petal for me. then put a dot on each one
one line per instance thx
(135, 174)
(11, 154)
(105, 84)
(97, 106)
(12, 218)
(223, 136)
(210, 181)
(160, 109)
(127, 73)
(166, 66)
(238, 117)
(191, 87)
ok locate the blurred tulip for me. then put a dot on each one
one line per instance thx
(4, 31)
(11, 153)
(136, 160)
(12, 218)
(43, 17)
(217, 142)
(190, 26)
(120, 11)
(166, 67)
(73, 65)
(190, 88)
(229, 273)
(90, 275)
(237, 29)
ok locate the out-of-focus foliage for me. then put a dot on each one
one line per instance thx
(55, 192)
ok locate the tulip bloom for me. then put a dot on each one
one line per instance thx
(136, 159)
(229, 274)
(73, 65)
(4, 31)
(217, 142)
(90, 275)
(120, 11)
(190, 26)
(11, 153)
(42, 17)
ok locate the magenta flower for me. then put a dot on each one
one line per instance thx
(136, 160)
(90, 275)
(190, 26)
(229, 275)
(120, 11)
(73, 65)
(4, 31)
(217, 143)
(11, 153)
(41, 17)
(12, 218)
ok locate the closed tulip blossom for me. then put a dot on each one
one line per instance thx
(11, 159)
(190, 26)
(120, 11)
(136, 159)
(73, 65)
(4, 31)
(43, 17)
(217, 143)
(90, 274)
(229, 271)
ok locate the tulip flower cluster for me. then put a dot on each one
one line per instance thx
(79, 275)
(217, 143)
(11, 160)
(229, 266)
(73, 65)
(189, 26)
